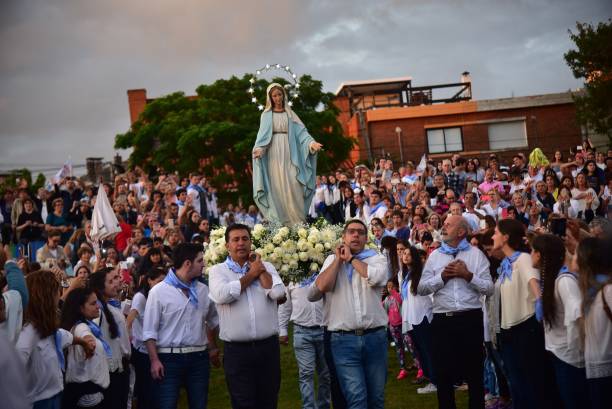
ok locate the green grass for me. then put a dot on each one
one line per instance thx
(398, 394)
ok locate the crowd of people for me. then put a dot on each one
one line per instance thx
(490, 276)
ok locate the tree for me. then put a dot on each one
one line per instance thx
(592, 60)
(215, 132)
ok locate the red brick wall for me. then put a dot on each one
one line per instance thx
(548, 127)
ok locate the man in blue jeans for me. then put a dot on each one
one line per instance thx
(180, 329)
(352, 281)
(307, 318)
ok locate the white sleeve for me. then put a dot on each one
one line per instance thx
(569, 292)
(377, 271)
(223, 290)
(150, 326)
(138, 304)
(278, 288)
(284, 314)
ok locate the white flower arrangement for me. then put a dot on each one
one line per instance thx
(296, 252)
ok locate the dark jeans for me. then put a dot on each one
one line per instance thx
(54, 402)
(338, 400)
(529, 372)
(191, 371)
(116, 395)
(143, 386)
(572, 384)
(600, 391)
(421, 336)
(252, 373)
(458, 353)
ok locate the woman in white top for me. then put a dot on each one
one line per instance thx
(521, 340)
(564, 205)
(41, 342)
(434, 225)
(135, 320)
(584, 196)
(493, 208)
(563, 324)
(106, 283)
(594, 264)
(86, 377)
(417, 313)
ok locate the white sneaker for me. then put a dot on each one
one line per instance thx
(430, 388)
(392, 344)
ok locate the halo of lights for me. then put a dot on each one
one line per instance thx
(292, 89)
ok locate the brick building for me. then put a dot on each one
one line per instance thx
(392, 118)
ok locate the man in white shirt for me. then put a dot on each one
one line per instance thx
(245, 290)
(307, 318)
(352, 281)
(180, 327)
(471, 214)
(378, 209)
(458, 275)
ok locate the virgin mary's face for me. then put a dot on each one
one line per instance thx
(277, 97)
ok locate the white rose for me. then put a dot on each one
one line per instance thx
(302, 233)
(287, 258)
(284, 232)
(302, 245)
(314, 267)
(277, 239)
(328, 246)
(295, 256)
(319, 247)
(293, 265)
(269, 248)
(258, 228)
(303, 256)
(279, 251)
(273, 258)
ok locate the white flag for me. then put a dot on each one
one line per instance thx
(104, 223)
(65, 171)
(422, 164)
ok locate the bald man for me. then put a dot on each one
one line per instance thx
(457, 274)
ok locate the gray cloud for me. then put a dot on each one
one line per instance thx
(66, 65)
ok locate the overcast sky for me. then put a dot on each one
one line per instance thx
(65, 66)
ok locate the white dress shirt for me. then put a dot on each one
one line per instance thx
(415, 308)
(380, 213)
(563, 339)
(299, 310)
(121, 345)
(248, 315)
(82, 369)
(138, 304)
(39, 356)
(457, 294)
(173, 321)
(356, 304)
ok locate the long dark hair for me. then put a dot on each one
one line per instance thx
(71, 311)
(552, 256)
(42, 311)
(416, 268)
(97, 283)
(390, 243)
(154, 274)
(515, 230)
(594, 258)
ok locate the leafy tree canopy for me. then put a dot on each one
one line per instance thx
(592, 61)
(214, 132)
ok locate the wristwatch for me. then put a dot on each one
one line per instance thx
(351, 260)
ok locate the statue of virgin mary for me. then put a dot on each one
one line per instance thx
(284, 162)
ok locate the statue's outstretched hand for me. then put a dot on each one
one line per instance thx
(257, 153)
(315, 146)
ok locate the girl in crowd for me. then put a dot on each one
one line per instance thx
(522, 336)
(584, 196)
(562, 318)
(106, 283)
(563, 205)
(594, 264)
(434, 225)
(135, 319)
(493, 208)
(393, 306)
(595, 177)
(86, 377)
(41, 342)
(418, 314)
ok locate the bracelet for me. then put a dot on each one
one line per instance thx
(351, 260)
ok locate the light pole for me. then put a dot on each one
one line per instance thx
(398, 131)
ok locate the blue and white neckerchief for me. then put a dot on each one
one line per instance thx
(97, 332)
(115, 303)
(235, 267)
(505, 268)
(308, 280)
(57, 338)
(378, 206)
(453, 251)
(405, 281)
(173, 280)
(362, 255)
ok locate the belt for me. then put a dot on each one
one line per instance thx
(313, 327)
(273, 338)
(358, 332)
(181, 350)
(457, 313)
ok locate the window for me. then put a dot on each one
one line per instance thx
(504, 135)
(444, 140)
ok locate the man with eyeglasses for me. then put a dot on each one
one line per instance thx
(351, 281)
(51, 253)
